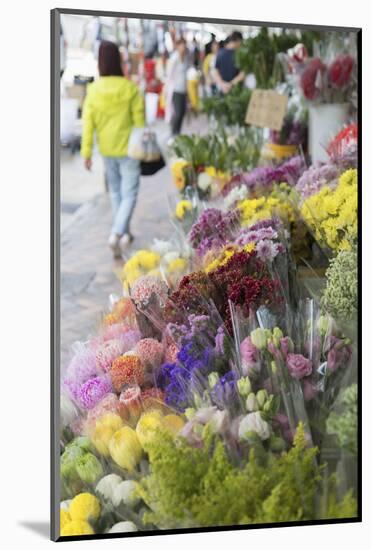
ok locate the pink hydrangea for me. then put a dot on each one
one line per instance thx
(150, 352)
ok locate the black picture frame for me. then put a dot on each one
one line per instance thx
(55, 270)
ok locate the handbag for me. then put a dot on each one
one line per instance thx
(151, 167)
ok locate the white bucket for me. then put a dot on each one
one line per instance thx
(325, 121)
(151, 100)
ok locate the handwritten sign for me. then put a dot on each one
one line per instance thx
(266, 109)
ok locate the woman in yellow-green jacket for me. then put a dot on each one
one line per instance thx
(113, 107)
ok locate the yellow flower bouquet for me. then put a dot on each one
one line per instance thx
(332, 213)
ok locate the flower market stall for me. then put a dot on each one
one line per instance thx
(221, 387)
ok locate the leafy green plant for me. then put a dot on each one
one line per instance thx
(222, 151)
(258, 54)
(228, 109)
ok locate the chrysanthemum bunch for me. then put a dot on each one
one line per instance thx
(213, 230)
(332, 213)
(313, 179)
(261, 179)
(141, 263)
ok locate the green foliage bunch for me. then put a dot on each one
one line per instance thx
(229, 109)
(343, 422)
(258, 54)
(220, 150)
(340, 297)
(200, 487)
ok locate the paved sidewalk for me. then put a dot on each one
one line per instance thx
(87, 267)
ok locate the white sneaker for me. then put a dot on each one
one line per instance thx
(114, 244)
(125, 241)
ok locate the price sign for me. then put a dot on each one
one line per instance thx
(266, 109)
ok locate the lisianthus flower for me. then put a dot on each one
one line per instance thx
(254, 423)
(298, 365)
(249, 356)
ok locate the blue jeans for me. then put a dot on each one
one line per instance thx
(123, 184)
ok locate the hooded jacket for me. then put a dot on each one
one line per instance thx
(112, 108)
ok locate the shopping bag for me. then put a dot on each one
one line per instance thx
(143, 145)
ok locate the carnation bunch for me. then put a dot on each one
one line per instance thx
(261, 179)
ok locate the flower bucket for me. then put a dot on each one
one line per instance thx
(276, 151)
(324, 123)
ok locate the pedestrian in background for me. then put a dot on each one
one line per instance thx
(227, 74)
(176, 86)
(208, 68)
(113, 107)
